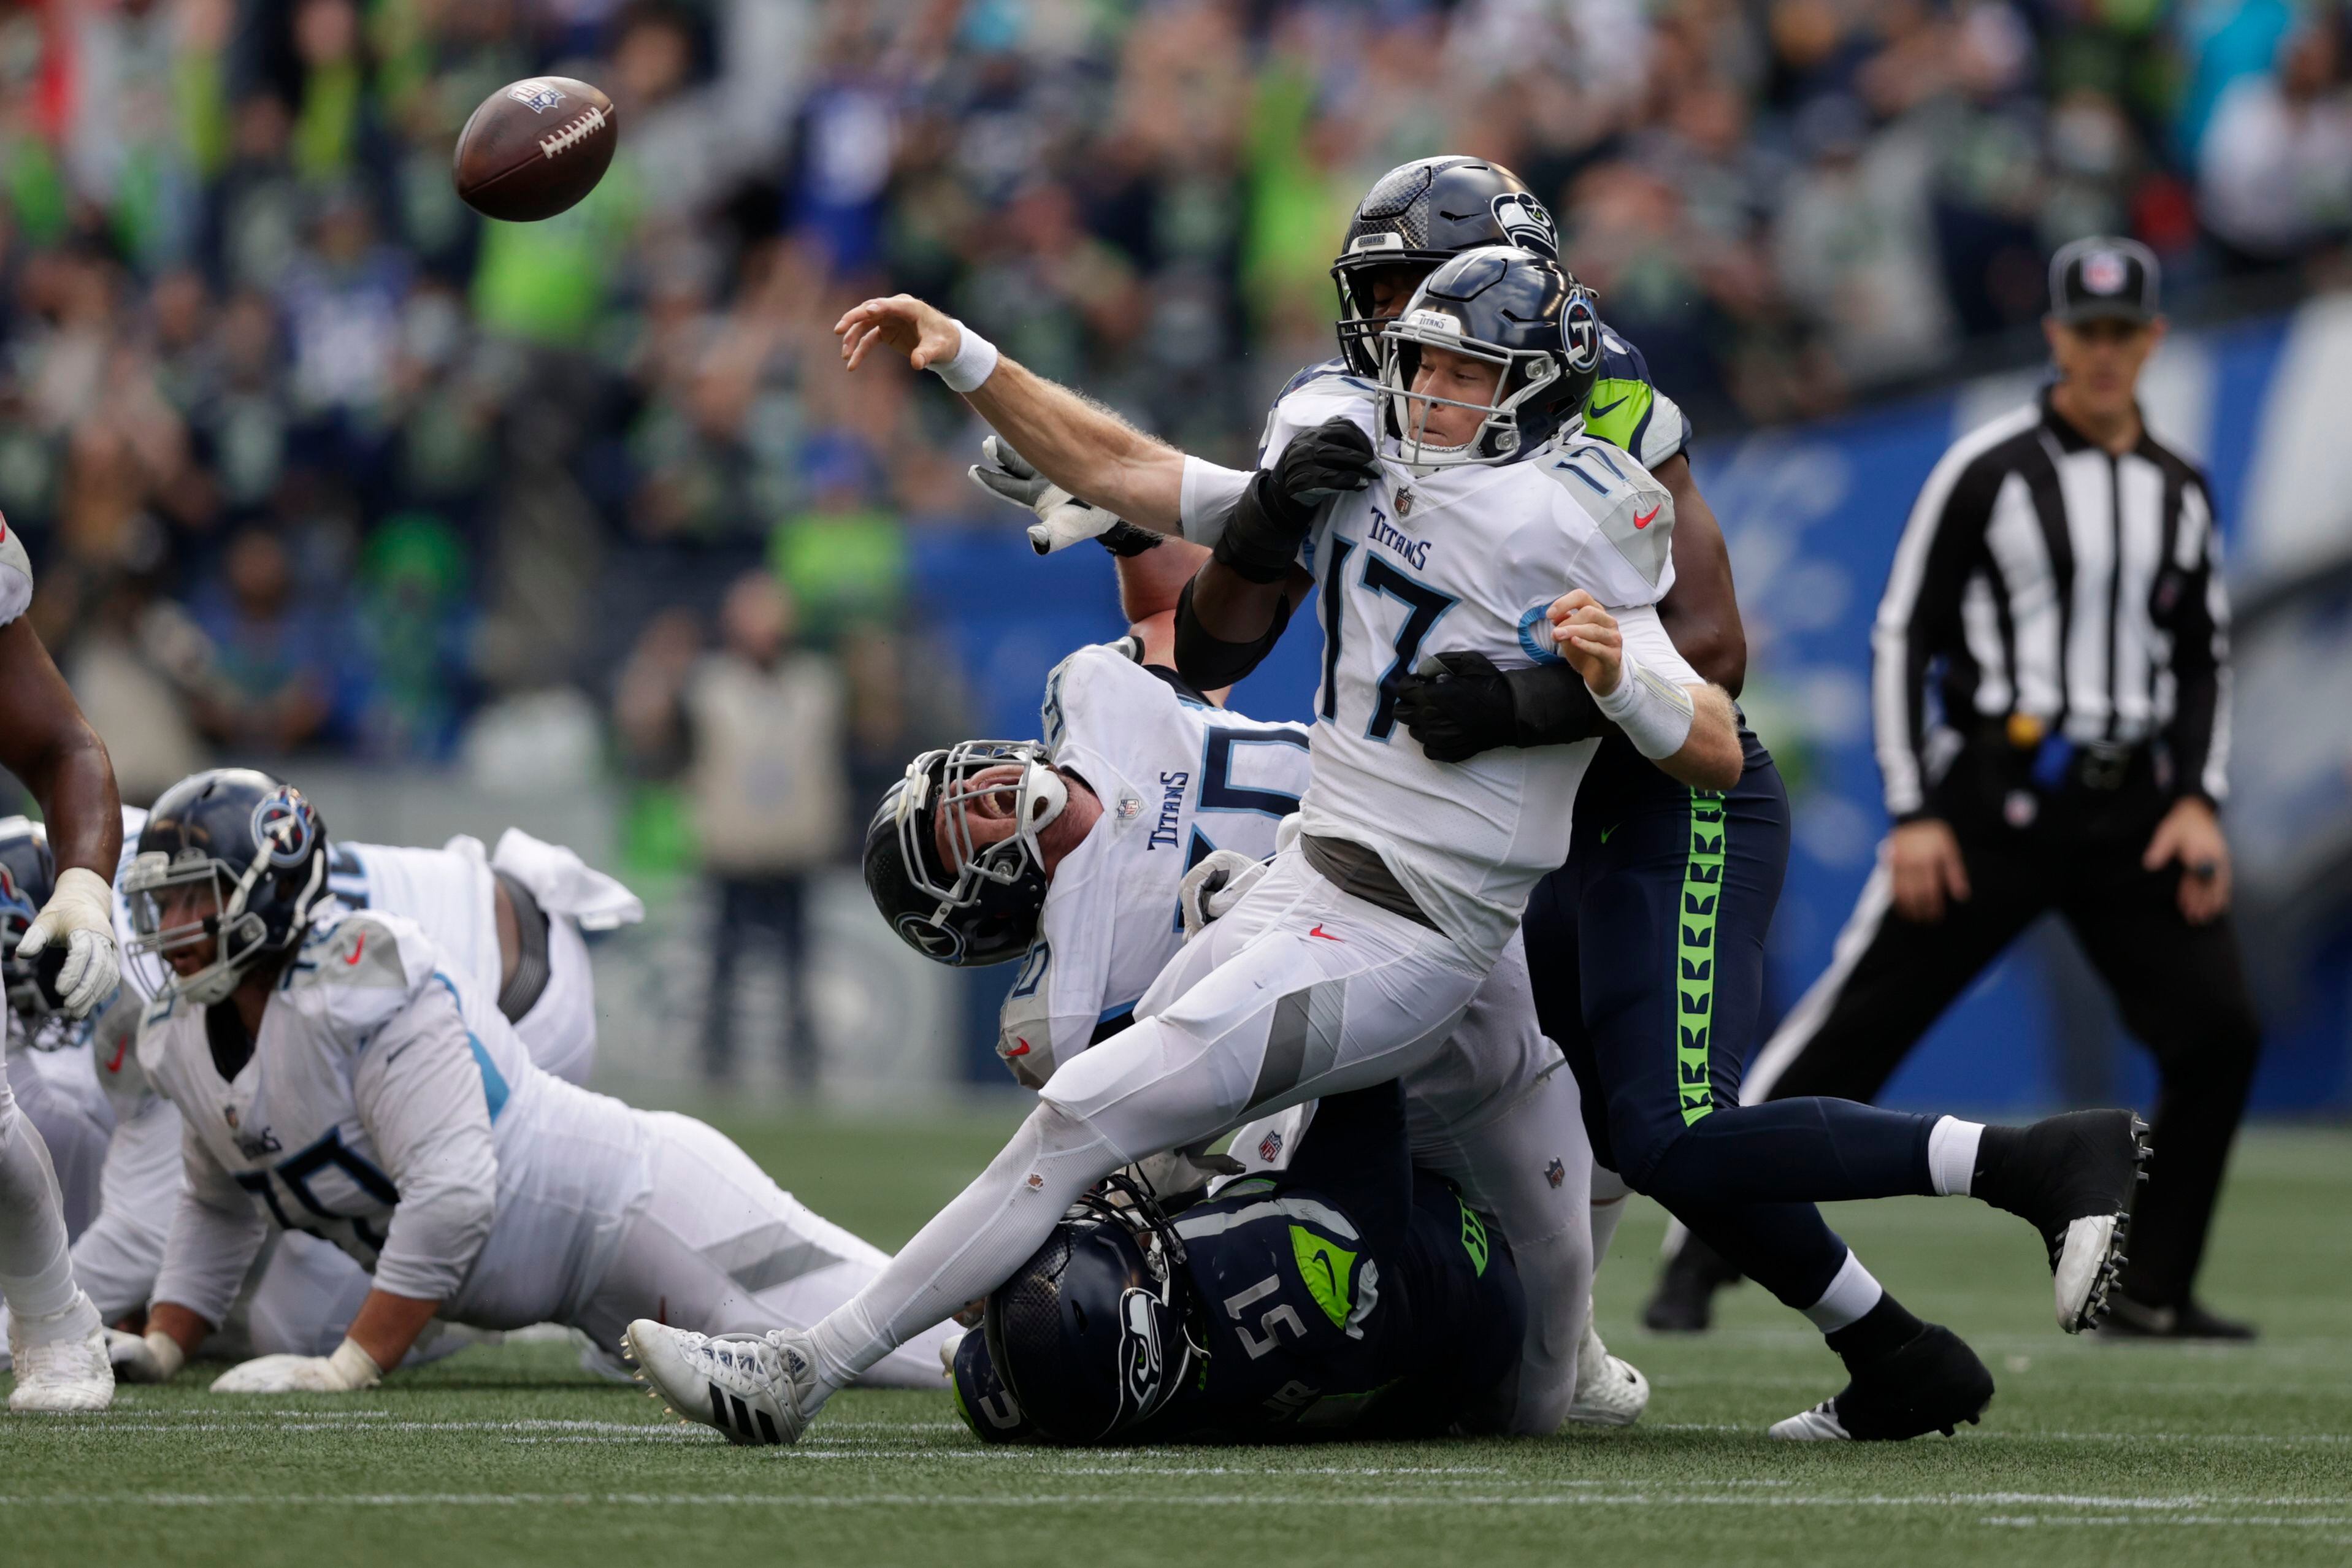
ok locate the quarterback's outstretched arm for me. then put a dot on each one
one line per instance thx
(1079, 445)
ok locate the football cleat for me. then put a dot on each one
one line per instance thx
(2073, 1176)
(1933, 1384)
(1609, 1392)
(56, 1375)
(1684, 1302)
(758, 1389)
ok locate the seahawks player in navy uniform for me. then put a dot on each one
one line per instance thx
(1349, 1293)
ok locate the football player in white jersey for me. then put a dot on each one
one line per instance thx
(1351, 961)
(1158, 780)
(340, 1073)
(512, 918)
(56, 1338)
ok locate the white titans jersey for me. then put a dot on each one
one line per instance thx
(1178, 778)
(384, 1096)
(1467, 559)
(451, 894)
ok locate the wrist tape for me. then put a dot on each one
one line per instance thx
(356, 1367)
(1655, 713)
(974, 361)
(169, 1357)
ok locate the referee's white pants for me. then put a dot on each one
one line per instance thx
(1300, 991)
(721, 1247)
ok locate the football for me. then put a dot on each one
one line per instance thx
(534, 148)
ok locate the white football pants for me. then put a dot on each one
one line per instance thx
(1300, 991)
(36, 1269)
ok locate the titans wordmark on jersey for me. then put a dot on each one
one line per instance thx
(1178, 778)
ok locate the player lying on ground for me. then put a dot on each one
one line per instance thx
(339, 1073)
(1349, 1293)
(1350, 961)
(1151, 778)
(56, 1338)
(513, 918)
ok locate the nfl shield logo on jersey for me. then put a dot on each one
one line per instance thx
(1269, 1148)
(1522, 218)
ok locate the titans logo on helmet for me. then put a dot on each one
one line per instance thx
(932, 939)
(1579, 331)
(285, 826)
(1526, 223)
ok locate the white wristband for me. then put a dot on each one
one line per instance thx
(1655, 713)
(354, 1367)
(974, 361)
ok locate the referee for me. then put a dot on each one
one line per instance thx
(2058, 586)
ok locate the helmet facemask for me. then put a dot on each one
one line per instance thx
(1522, 376)
(937, 802)
(157, 886)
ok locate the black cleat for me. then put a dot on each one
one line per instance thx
(1933, 1384)
(1684, 1302)
(2073, 1177)
(2130, 1319)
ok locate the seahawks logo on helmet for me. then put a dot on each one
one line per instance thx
(1139, 1352)
(284, 826)
(1579, 331)
(1525, 224)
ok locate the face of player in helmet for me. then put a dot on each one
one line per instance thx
(1387, 289)
(181, 912)
(1460, 379)
(989, 803)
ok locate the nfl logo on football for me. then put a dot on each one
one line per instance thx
(537, 97)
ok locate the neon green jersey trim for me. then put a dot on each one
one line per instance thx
(1615, 410)
(1695, 955)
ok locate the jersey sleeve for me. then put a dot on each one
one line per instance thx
(16, 575)
(216, 1233)
(1620, 522)
(1316, 394)
(424, 1089)
(1626, 409)
(1034, 1038)
(366, 969)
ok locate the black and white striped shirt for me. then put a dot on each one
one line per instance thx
(2040, 575)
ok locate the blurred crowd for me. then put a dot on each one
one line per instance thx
(311, 458)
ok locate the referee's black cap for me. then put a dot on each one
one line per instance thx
(2104, 278)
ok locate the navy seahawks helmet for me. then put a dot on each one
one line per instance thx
(1419, 215)
(231, 856)
(27, 876)
(975, 905)
(1517, 309)
(1088, 1336)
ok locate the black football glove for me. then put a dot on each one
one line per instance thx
(1459, 705)
(1262, 537)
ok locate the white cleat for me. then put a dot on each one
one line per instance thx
(1818, 1425)
(758, 1389)
(59, 1376)
(1609, 1392)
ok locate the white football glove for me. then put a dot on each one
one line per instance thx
(1212, 888)
(81, 911)
(1063, 520)
(348, 1369)
(153, 1358)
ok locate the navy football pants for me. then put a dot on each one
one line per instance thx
(1647, 954)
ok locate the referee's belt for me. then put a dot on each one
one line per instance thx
(2055, 762)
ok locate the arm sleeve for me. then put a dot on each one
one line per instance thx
(1356, 1152)
(216, 1233)
(1646, 640)
(117, 1259)
(419, 1089)
(1209, 662)
(2199, 735)
(1208, 498)
(1919, 619)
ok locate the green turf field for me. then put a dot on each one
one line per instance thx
(2092, 1453)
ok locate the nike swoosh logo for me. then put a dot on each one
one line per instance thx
(1603, 411)
(1327, 936)
(1330, 1275)
(1643, 520)
(1020, 1047)
(360, 947)
(1607, 831)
